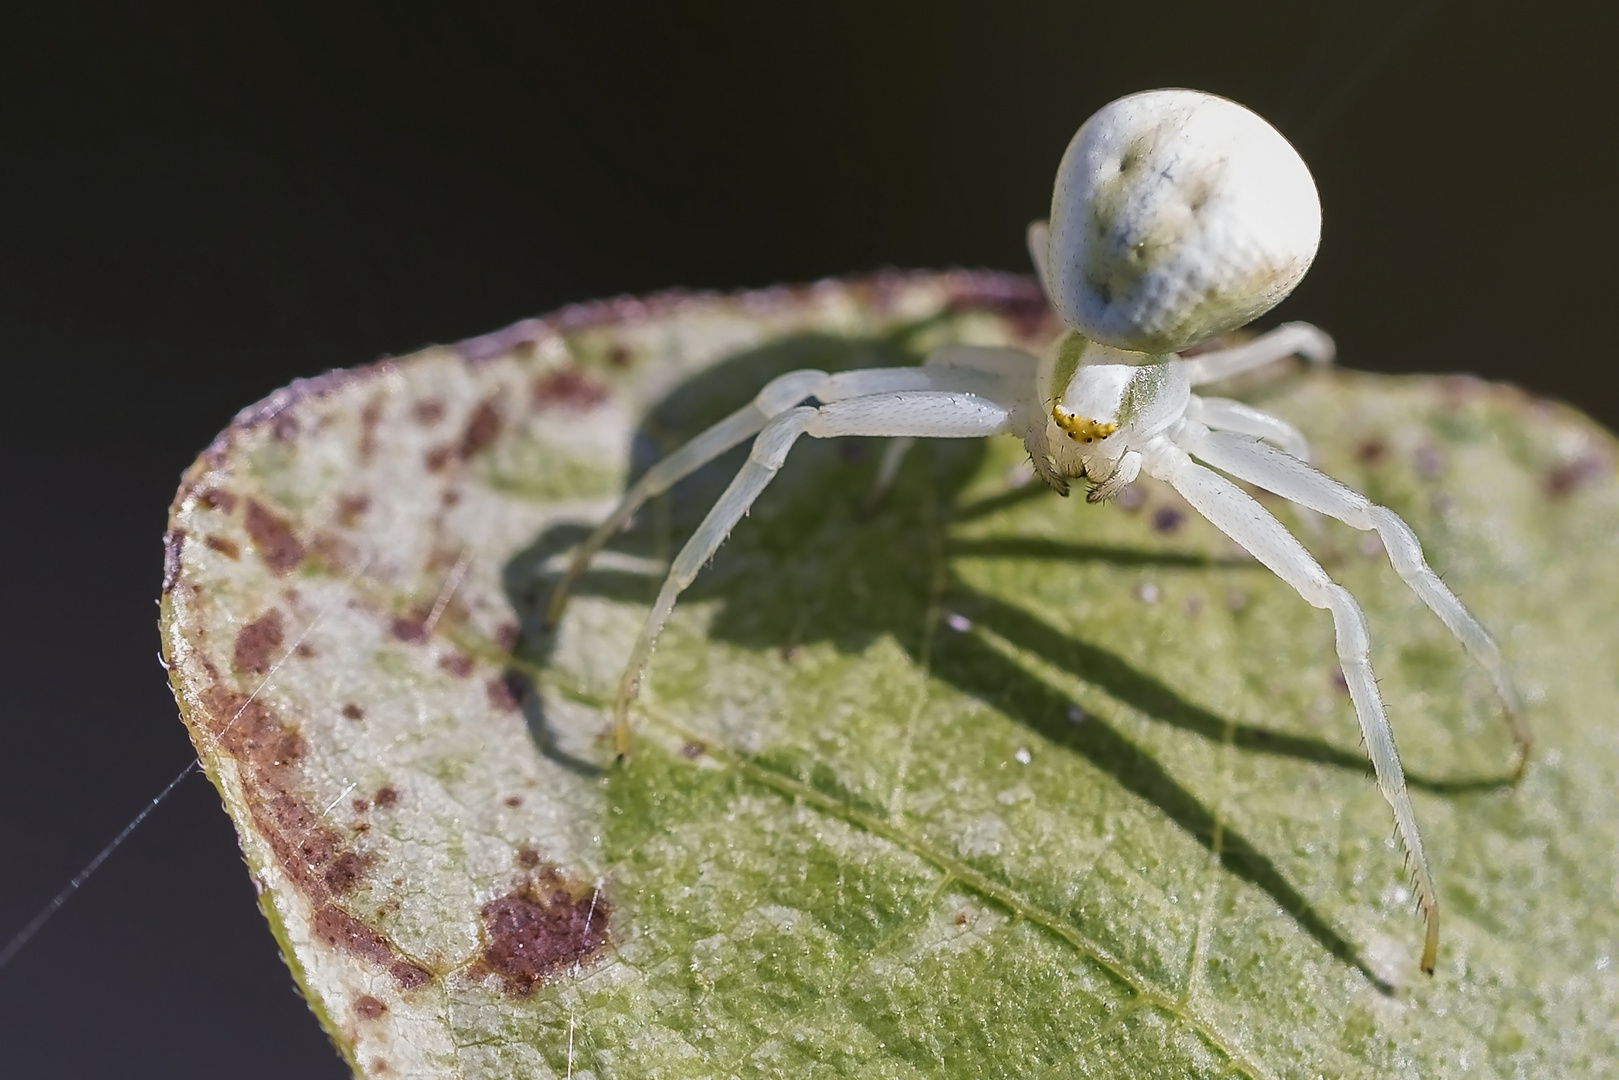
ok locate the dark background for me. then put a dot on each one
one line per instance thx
(198, 205)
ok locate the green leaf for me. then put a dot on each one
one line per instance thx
(983, 783)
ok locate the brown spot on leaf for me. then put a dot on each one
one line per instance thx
(542, 929)
(360, 806)
(693, 750)
(436, 458)
(350, 507)
(379, 1065)
(370, 417)
(568, 388)
(528, 858)
(456, 664)
(513, 801)
(225, 547)
(258, 642)
(483, 427)
(352, 711)
(332, 550)
(428, 411)
(1371, 451)
(250, 733)
(367, 1007)
(340, 930)
(502, 694)
(304, 650)
(410, 628)
(386, 796)
(273, 538)
(1166, 519)
(344, 873)
(310, 852)
(408, 975)
(173, 541)
(1570, 476)
(217, 499)
(506, 635)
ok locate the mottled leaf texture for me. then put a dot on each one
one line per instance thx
(980, 783)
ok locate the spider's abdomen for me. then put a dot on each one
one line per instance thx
(1177, 215)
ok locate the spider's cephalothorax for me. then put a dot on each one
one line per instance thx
(1176, 216)
(1103, 404)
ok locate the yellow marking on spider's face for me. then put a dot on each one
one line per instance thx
(1079, 428)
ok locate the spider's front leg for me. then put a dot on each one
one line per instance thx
(1013, 369)
(1239, 516)
(913, 414)
(1223, 414)
(780, 394)
(1276, 471)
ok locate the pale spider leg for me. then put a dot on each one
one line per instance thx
(1223, 414)
(778, 395)
(1266, 467)
(1240, 517)
(931, 414)
(1301, 338)
(1014, 367)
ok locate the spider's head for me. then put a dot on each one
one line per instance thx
(1176, 215)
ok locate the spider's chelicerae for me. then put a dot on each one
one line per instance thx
(1177, 215)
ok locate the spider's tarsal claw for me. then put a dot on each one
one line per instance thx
(1519, 763)
(621, 729)
(1522, 741)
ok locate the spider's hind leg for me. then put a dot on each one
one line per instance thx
(1289, 339)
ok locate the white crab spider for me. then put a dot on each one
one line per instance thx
(1177, 215)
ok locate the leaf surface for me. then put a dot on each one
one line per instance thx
(983, 783)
